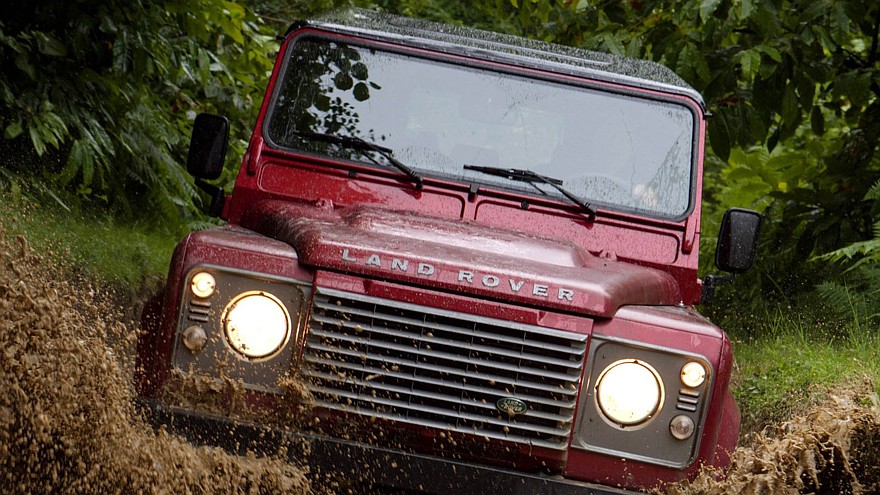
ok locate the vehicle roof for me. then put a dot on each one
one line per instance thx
(500, 47)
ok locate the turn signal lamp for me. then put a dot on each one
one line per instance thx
(203, 285)
(693, 374)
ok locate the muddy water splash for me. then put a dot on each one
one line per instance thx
(67, 423)
(833, 449)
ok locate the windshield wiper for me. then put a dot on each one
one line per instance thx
(523, 175)
(358, 144)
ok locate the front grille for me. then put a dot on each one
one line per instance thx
(442, 369)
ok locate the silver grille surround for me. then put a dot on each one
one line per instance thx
(442, 369)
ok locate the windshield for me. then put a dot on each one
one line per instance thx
(613, 150)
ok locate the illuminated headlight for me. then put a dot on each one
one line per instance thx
(257, 324)
(629, 392)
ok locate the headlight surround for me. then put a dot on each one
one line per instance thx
(256, 324)
(629, 392)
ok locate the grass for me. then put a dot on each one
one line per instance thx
(792, 364)
(95, 245)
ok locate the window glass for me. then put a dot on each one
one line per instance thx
(609, 149)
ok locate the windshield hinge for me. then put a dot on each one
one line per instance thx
(690, 234)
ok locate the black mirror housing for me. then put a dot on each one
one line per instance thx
(207, 146)
(738, 240)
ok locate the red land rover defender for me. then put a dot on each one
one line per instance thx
(478, 255)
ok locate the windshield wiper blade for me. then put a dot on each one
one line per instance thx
(523, 175)
(359, 144)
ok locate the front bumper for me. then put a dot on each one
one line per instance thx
(360, 462)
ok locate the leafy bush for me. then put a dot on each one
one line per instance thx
(98, 96)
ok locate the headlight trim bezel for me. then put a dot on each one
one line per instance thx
(255, 375)
(593, 432)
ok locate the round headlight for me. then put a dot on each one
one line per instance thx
(693, 374)
(629, 392)
(203, 285)
(257, 324)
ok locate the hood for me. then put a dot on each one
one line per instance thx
(460, 256)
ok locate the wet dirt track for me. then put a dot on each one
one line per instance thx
(67, 423)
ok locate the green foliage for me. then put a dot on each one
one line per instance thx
(101, 95)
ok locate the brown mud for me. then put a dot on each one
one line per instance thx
(68, 425)
(832, 449)
(67, 422)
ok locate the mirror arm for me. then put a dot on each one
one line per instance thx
(709, 285)
(218, 197)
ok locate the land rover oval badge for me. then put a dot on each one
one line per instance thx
(511, 405)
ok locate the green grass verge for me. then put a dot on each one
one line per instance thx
(793, 365)
(96, 245)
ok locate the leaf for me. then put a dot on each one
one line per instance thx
(36, 140)
(22, 62)
(790, 108)
(361, 92)
(13, 130)
(746, 7)
(771, 52)
(707, 8)
(750, 62)
(50, 46)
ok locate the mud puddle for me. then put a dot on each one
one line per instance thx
(67, 423)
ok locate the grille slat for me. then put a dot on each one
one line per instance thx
(453, 400)
(498, 379)
(434, 340)
(469, 332)
(353, 342)
(454, 417)
(442, 369)
(373, 371)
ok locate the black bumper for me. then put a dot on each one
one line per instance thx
(360, 462)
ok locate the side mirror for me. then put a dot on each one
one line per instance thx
(738, 240)
(207, 146)
(736, 249)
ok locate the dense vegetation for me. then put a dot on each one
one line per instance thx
(98, 96)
